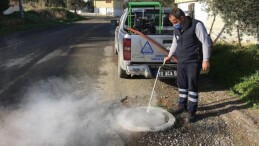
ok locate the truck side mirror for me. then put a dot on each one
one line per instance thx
(114, 23)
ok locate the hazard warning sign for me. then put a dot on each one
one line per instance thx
(147, 49)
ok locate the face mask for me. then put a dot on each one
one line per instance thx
(177, 26)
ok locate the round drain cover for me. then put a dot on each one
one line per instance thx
(138, 119)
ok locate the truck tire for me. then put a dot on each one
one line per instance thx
(115, 50)
(121, 72)
(115, 47)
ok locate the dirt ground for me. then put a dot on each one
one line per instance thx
(222, 119)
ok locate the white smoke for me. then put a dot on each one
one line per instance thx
(58, 113)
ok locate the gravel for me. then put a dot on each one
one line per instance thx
(210, 128)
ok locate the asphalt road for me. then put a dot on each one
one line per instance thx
(50, 85)
(59, 86)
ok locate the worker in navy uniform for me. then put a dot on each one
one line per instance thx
(191, 45)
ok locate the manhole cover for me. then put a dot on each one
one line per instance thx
(139, 120)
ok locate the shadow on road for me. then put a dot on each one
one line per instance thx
(206, 84)
(221, 107)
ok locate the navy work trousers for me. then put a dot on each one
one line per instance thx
(187, 81)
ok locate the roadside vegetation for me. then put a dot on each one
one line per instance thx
(236, 66)
(36, 19)
(238, 69)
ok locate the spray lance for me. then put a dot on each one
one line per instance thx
(159, 47)
(154, 87)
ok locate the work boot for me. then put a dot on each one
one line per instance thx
(191, 117)
(180, 109)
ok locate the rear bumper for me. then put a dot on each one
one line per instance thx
(138, 70)
(150, 70)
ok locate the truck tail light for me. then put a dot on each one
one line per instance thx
(127, 49)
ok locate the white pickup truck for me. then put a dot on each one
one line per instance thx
(137, 55)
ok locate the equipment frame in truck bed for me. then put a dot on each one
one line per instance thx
(132, 5)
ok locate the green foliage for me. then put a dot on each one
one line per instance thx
(36, 19)
(243, 11)
(248, 88)
(239, 10)
(56, 3)
(239, 14)
(71, 4)
(4, 5)
(237, 69)
(90, 5)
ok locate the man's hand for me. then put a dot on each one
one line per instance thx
(167, 59)
(205, 65)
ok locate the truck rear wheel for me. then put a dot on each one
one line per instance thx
(115, 50)
(121, 72)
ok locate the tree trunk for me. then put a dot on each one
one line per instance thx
(75, 9)
(218, 36)
(213, 21)
(21, 9)
(239, 35)
(47, 3)
(42, 4)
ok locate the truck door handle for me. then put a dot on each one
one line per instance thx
(167, 41)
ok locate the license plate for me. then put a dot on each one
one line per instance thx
(167, 73)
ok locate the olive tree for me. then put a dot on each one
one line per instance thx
(239, 14)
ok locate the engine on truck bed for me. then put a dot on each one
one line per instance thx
(145, 25)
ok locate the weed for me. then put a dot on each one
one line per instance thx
(238, 70)
(36, 19)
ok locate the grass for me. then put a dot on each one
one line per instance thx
(238, 70)
(36, 19)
